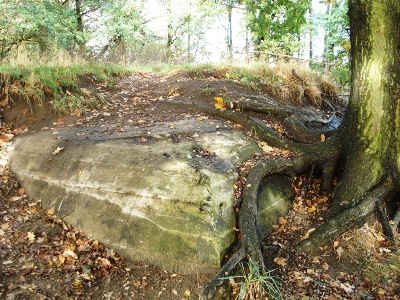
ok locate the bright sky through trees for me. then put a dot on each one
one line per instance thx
(215, 37)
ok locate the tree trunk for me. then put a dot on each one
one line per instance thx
(311, 32)
(327, 46)
(79, 24)
(169, 32)
(229, 36)
(369, 140)
(372, 122)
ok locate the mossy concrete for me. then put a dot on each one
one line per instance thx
(275, 198)
(167, 200)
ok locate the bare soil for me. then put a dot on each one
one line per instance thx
(42, 257)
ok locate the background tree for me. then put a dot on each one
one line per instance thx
(228, 6)
(119, 32)
(37, 26)
(187, 23)
(276, 25)
(84, 12)
(335, 23)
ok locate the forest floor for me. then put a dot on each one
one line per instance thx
(42, 257)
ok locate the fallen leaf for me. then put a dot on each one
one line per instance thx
(219, 103)
(232, 282)
(307, 279)
(384, 250)
(58, 150)
(282, 221)
(20, 130)
(70, 253)
(7, 262)
(77, 283)
(266, 148)
(348, 288)
(34, 211)
(280, 261)
(104, 262)
(307, 234)
(61, 260)
(322, 137)
(4, 102)
(4, 138)
(311, 209)
(187, 293)
(315, 260)
(86, 276)
(339, 251)
(31, 236)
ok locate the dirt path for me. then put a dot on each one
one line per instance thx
(36, 260)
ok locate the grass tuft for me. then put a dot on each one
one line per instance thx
(254, 283)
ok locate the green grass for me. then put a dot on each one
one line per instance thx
(255, 283)
(384, 269)
(31, 81)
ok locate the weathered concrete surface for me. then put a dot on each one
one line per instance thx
(165, 199)
(275, 198)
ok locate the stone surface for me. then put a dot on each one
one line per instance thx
(164, 197)
(275, 198)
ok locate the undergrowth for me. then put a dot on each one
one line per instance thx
(289, 82)
(35, 82)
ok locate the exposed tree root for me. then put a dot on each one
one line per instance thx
(295, 119)
(347, 219)
(307, 186)
(384, 220)
(322, 155)
(209, 290)
(396, 219)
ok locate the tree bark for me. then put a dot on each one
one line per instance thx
(79, 24)
(371, 126)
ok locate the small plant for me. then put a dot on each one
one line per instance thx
(208, 91)
(254, 283)
(384, 269)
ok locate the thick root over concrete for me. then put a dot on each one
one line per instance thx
(322, 156)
